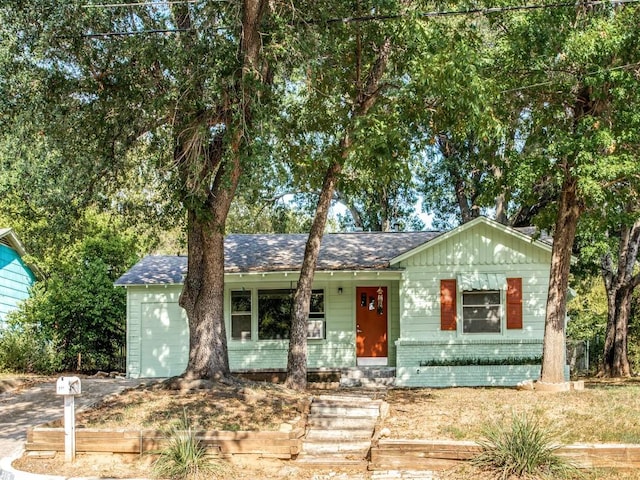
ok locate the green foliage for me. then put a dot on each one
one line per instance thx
(77, 311)
(588, 320)
(247, 216)
(587, 311)
(25, 349)
(523, 448)
(480, 361)
(184, 458)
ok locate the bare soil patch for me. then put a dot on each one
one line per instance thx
(10, 383)
(246, 406)
(603, 412)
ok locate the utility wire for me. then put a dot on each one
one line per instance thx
(138, 4)
(472, 11)
(377, 18)
(549, 82)
(137, 32)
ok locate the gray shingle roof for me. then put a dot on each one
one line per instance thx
(277, 253)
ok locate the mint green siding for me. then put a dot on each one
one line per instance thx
(482, 249)
(158, 339)
(15, 280)
(157, 328)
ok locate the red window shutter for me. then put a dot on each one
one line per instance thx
(448, 309)
(514, 303)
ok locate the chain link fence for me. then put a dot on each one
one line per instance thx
(584, 356)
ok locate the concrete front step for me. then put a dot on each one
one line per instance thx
(353, 400)
(368, 377)
(371, 383)
(358, 448)
(333, 462)
(330, 436)
(369, 372)
(340, 426)
(341, 423)
(328, 410)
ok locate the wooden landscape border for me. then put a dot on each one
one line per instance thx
(269, 444)
(389, 454)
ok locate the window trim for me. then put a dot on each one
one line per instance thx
(232, 313)
(318, 316)
(501, 310)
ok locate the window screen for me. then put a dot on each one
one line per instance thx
(481, 311)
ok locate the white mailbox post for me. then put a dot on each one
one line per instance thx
(69, 387)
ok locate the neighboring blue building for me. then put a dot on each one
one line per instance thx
(16, 277)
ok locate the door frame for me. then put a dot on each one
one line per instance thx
(372, 360)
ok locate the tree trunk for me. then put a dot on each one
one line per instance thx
(202, 298)
(554, 349)
(615, 361)
(620, 285)
(208, 203)
(297, 357)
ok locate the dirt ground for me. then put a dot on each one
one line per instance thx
(604, 412)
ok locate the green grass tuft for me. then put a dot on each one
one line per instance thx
(184, 458)
(522, 449)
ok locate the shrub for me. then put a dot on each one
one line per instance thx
(523, 448)
(184, 457)
(24, 349)
(480, 361)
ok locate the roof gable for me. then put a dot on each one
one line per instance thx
(520, 234)
(10, 239)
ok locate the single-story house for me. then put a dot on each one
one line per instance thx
(16, 277)
(464, 307)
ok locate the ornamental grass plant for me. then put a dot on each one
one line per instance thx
(184, 457)
(521, 449)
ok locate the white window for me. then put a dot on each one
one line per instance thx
(241, 315)
(481, 311)
(274, 311)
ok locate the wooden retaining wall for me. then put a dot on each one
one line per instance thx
(90, 440)
(439, 454)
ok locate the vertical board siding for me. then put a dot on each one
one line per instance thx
(164, 339)
(481, 245)
(481, 249)
(15, 281)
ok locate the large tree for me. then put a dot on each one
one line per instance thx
(345, 95)
(182, 78)
(575, 86)
(620, 279)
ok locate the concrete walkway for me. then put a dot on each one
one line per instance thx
(40, 404)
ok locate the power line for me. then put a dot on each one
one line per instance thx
(138, 4)
(370, 18)
(137, 32)
(472, 11)
(549, 82)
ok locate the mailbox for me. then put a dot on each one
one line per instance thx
(68, 386)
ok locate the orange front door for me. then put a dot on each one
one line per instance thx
(372, 305)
